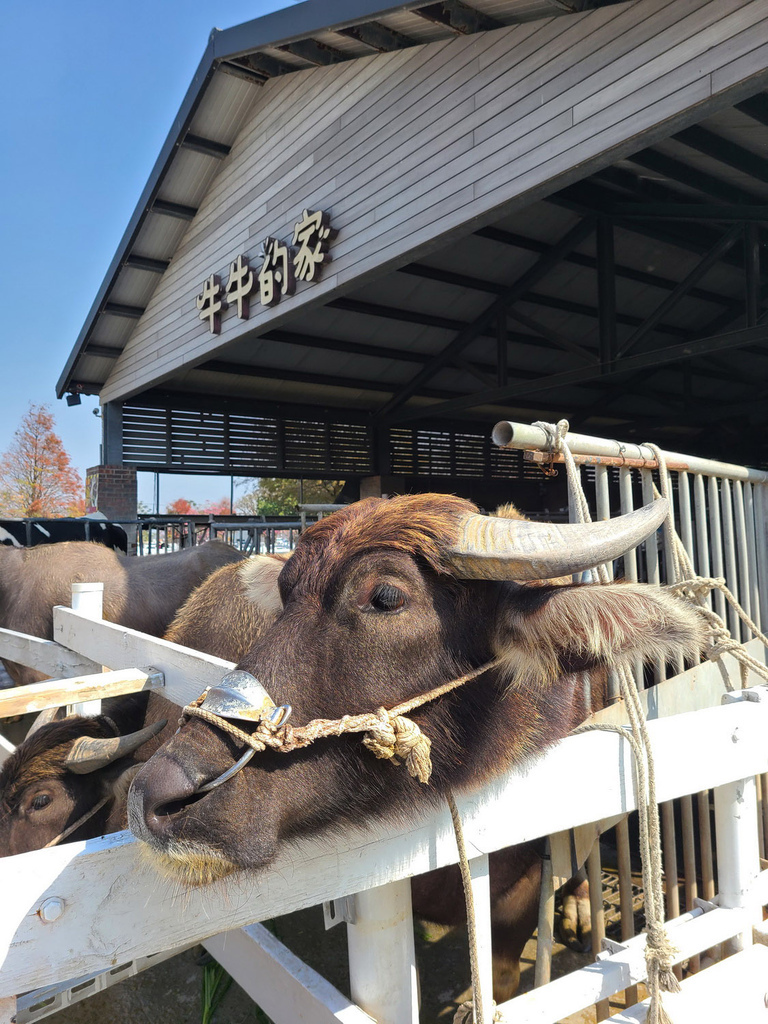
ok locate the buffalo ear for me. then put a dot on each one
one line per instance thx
(544, 632)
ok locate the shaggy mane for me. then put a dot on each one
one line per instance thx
(426, 525)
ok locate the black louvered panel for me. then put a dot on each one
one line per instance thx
(226, 442)
(452, 453)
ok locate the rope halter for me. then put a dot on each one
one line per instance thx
(388, 734)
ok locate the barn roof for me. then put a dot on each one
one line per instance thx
(688, 215)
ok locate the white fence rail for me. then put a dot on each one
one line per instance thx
(83, 908)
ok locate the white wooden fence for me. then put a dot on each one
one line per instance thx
(76, 911)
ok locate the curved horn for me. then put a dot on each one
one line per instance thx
(508, 549)
(45, 718)
(89, 754)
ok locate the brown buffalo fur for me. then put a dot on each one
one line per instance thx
(141, 593)
(234, 606)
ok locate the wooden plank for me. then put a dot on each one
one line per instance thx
(43, 655)
(55, 693)
(186, 672)
(283, 986)
(117, 907)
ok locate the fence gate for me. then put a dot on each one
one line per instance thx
(81, 914)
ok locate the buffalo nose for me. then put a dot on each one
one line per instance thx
(159, 793)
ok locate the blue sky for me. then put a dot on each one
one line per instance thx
(89, 93)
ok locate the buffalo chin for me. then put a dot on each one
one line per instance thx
(188, 863)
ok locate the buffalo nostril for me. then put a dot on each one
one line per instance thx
(159, 792)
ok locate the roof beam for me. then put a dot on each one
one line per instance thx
(379, 37)
(535, 298)
(119, 309)
(319, 54)
(228, 67)
(703, 267)
(487, 320)
(692, 177)
(208, 147)
(755, 107)
(177, 210)
(689, 211)
(725, 151)
(103, 351)
(265, 64)
(629, 364)
(582, 260)
(458, 17)
(148, 263)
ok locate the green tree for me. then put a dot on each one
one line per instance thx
(273, 496)
(37, 477)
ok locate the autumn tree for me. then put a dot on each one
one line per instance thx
(180, 507)
(273, 496)
(37, 478)
(217, 508)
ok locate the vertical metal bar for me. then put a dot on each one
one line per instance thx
(689, 859)
(731, 568)
(738, 858)
(760, 815)
(716, 541)
(625, 895)
(382, 964)
(749, 514)
(684, 511)
(652, 561)
(701, 565)
(742, 550)
(630, 558)
(761, 537)
(670, 858)
(705, 836)
(603, 509)
(595, 877)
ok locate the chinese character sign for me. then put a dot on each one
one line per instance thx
(240, 286)
(313, 234)
(276, 277)
(282, 265)
(210, 303)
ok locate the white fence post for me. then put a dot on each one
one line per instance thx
(738, 854)
(87, 599)
(382, 960)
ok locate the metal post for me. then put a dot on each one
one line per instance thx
(716, 539)
(88, 600)
(544, 932)
(382, 964)
(731, 570)
(595, 877)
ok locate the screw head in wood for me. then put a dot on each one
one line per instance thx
(50, 910)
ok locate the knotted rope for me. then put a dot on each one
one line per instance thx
(659, 954)
(388, 733)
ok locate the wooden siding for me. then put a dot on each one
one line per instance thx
(409, 148)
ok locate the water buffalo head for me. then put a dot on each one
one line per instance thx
(63, 771)
(384, 600)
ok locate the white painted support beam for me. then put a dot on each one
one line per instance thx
(44, 655)
(382, 957)
(186, 672)
(116, 906)
(736, 989)
(54, 693)
(480, 874)
(689, 933)
(738, 853)
(88, 600)
(283, 986)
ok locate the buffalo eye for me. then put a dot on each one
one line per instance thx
(386, 598)
(40, 801)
